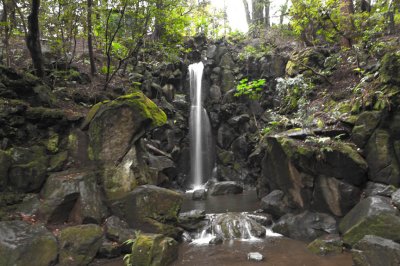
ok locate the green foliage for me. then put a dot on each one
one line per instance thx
(128, 257)
(255, 51)
(251, 89)
(294, 92)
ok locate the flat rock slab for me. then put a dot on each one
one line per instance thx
(225, 187)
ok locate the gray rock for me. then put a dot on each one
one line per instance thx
(79, 244)
(305, 226)
(376, 251)
(364, 127)
(118, 230)
(215, 93)
(274, 204)
(326, 245)
(225, 136)
(225, 187)
(211, 51)
(396, 199)
(72, 196)
(372, 216)
(216, 240)
(5, 163)
(377, 189)
(199, 194)
(256, 256)
(109, 250)
(23, 244)
(191, 220)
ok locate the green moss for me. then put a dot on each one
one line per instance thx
(389, 71)
(52, 143)
(321, 246)
(42, 113)
(148, 108)
(92, 112)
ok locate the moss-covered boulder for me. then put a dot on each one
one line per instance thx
(153, 250)
(117, 124)
(389, 71)
(148, 202)
(29, 169)
(301, 62)
(79, 244)
(372, 216)
(295, 166)
(5, 163)
(376, 251)
(364, 127)
(326, 245)
(72, 196)
(382, 158)
(24, 244)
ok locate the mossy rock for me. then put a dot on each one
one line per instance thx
(52, 143)
(364, 127)
(300, 62)
(117, 124)
(79, 244)
(58, 161)
(153, 250)
(5, 163)
(372, 216)
(45, 115)
(29, 169)
(326, 245)
(389, 71)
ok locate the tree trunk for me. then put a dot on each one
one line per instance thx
(33, 39)
(90, 41)
(258, 15)
(158, 26)
(346, 11)
(6, 31)
(247, 11)
(266, 14)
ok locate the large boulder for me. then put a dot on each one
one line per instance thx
(233, 225)
(29, 169)
(389, 71)
(294, 166)
(378, 189)
(364, 127)
(305, 226)
(372, 216)
(225, 187)
(326, 245)
(72, 196)
(153, 250)
(191, 220)
(115, 125)
(382, 159)
(23, 244)
(79, 244)
(149, 208)
(275, 204)
(376, 251)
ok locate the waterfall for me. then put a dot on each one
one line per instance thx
(201, 143)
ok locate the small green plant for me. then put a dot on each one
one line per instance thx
(128, 257)
(251, 89)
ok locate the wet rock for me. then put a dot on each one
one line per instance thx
(154, 250)
(373, 215)
(191, 220)
(225, 136)
(376, 251)
(30, 205)
(148, 202)
(241, 148)
(109, 250)
(274, 204)
(216, 241)
(79, 244)
(326, 245)
(225, 187)
(381, 158)
(264, 219)
(22, 243)
(236, 225)
(215, 93)
(364, 127)
(334, 195)
(306, 226)
(396, 199)
(225, 157)
(377, 189)
(199, 194)
(72, 196)
(256, 256)
(115, 125)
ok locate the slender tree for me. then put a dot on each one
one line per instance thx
(33, 39)
(6, 31)
(347, 11)
(90, 37)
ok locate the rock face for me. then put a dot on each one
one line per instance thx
(306, 226)
(274, 204)
(364, 127)
(150, 208)
(24, 244)
(72, 196)
(373, 215)
(79, 244)
(153, 250)
(377, 251)
(226, 187)
(312, 177)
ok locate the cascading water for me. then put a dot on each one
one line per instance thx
(201, 143)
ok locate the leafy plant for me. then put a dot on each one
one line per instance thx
(251, 89)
